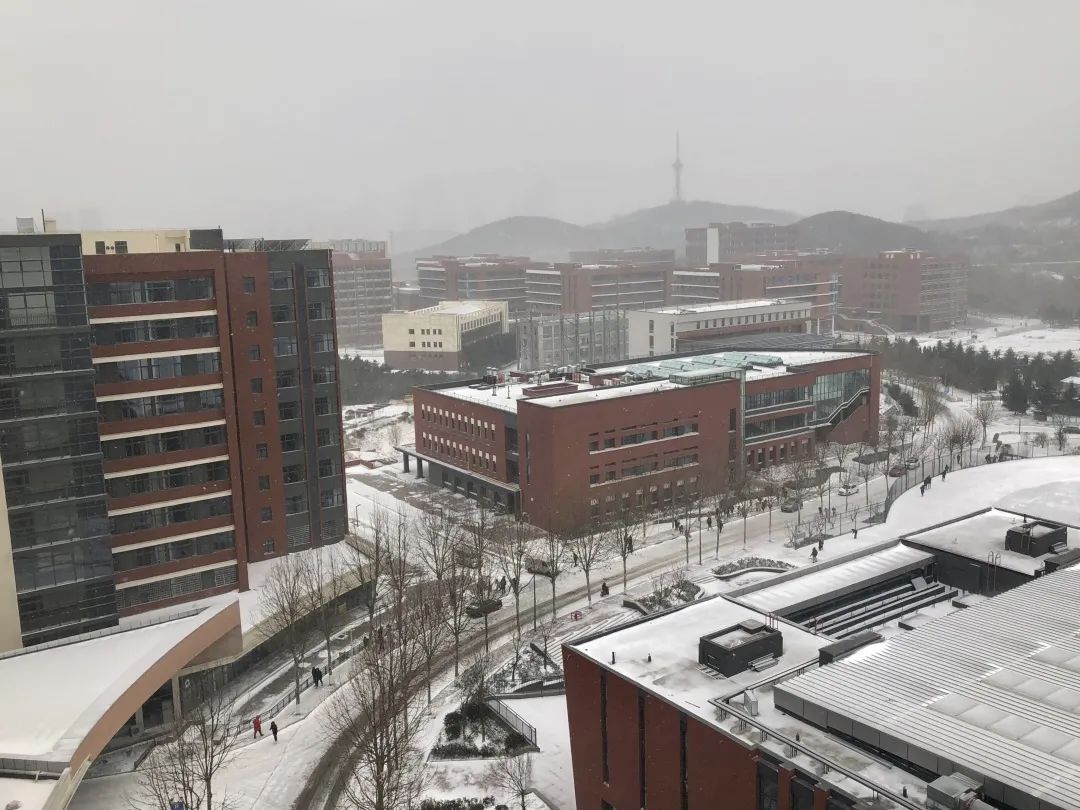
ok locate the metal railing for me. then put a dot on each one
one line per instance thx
(514, 720)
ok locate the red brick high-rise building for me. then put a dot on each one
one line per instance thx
(216, 388)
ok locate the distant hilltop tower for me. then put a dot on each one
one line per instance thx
(677, 167)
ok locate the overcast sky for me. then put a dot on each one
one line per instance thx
(321, 118)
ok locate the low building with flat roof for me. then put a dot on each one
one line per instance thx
(438, 338)
(664, 330)
(586, 444)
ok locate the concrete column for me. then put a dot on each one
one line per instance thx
(405, 460)
(177, 708)
(419, 467)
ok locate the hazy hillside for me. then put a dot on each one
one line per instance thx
(1062, 213)
(845, 232)
(547, 239)
(540, 238)
(665, 226)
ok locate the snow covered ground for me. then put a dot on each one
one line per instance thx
(1023, 336)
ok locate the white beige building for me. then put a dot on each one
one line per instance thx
(437, 338)
(151, 240)
(666, 330)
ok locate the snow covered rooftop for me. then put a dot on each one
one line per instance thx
(455, 308)
(1055, 501)
(79, 682)
(993, 691)
(716, 306)
(975, 536)
(505, 396)
(805, 586)
(671, 639)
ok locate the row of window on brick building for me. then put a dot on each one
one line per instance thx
(641, 433)
(457, 421)
(461, 452)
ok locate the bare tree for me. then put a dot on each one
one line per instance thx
(476, 684)
(512, 543)
(365, 557)
(984, 413)
(479, 542)
(1041, 440)
(867, 466)
(513, 775)
(428, 626)
(284, 605)
(184, 765)
(326, 582)
(822, 473)
(555, 548)
(621, 543)
(887, 433)
(795, 533)
(456, 588)
(439, 532)
(744, 504)
(1061, 435)
(931, 403)
(590, 548)
(401, 573)
(378, 713)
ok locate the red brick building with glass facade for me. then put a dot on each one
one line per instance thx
(590, 443)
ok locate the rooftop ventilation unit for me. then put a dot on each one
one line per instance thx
(954, 792)
(746, 645)
(1036, 538)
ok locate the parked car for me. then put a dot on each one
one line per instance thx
(1071, 429)
(790, 505)
(482, 607)
(912, 462)
(848, 489)
(535, 565)
(897, 470)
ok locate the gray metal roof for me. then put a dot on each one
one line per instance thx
(992, 691)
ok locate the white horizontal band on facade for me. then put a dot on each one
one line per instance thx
(206, 496)
(122, 358)
(176, 465)
(182, 573)
(157, 316)
(131, 434)
(159, 392)
(174, 538)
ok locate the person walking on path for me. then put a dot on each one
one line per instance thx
(256, 724)
(316, 676)
(943, 472)
(922, 489)
(855, 533)
(273, 729)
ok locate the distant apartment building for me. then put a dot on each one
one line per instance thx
(437, 338)
(731, 240)
(166, 240)
(370, 248)
(363, 291)
(811, 279)
(667, 330)
(639, 257)
(582, 338)
(487, 277)
(617, 285)
(908, 290)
